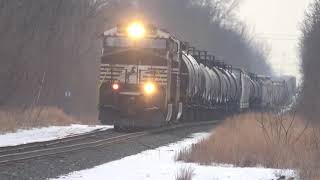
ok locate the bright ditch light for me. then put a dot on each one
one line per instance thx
(115, 86)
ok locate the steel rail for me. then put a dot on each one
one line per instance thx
(43, 144)
(64, 149)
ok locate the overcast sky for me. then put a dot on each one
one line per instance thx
(277, 22)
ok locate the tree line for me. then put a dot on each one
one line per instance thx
(49, 50)
(309, 51)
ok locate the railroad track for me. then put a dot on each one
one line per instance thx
(69, 139)
(76, 143)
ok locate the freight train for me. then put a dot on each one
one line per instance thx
(149, 78)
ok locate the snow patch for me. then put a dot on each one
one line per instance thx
(46, 134)
(159, 164)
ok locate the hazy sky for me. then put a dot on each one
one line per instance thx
(277, 22)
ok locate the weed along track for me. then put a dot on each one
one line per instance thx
(82, 142)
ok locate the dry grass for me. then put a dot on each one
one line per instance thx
(185, 174)
(11, 120)
(261, 139)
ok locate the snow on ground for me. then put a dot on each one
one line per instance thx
(46, 134)
(159, 164)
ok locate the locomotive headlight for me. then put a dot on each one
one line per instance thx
(149, 88)
(136, 30)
